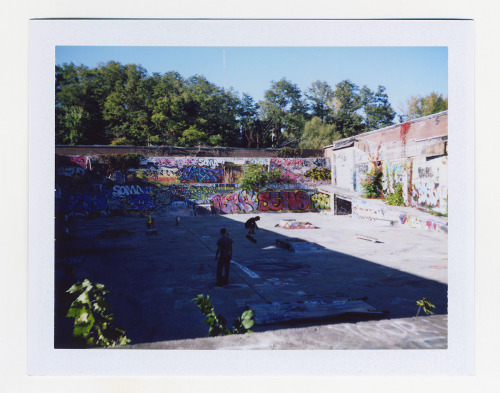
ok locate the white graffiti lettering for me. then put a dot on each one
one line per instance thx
(126, 190)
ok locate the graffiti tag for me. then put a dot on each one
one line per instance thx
(283, 200)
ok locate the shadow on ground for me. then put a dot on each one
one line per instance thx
(153, 279)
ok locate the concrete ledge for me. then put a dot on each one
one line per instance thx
(424, 332)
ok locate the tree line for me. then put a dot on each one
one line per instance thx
(115, 104)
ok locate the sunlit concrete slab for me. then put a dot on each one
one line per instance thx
(409, 333)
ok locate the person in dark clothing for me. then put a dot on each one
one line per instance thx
(224, 254)
(251, 225)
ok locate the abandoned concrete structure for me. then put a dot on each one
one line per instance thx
(413, 154)
(174, 180)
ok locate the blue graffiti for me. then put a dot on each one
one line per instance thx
(140, 202)
(85, 202)
(197, 174)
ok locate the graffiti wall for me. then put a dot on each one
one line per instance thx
(365, 210)
(344, 168)
(166, 185)
(307, 171)
(424, 179)
(429, 186)
(359, 175)
(395, 172)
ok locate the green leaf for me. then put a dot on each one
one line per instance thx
(83, 298)
(87, 284)
(83, 318)
(75, 312)
(82, 330)
(75, 288)
(123, 340)
(247, 323)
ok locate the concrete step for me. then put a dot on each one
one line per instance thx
(423, 332)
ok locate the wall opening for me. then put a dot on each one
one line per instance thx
(343, 206)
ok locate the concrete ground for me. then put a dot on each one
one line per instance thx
(153, 279)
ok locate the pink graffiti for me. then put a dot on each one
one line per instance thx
(163, 161)
(431, 225)
(287, 161)
(79, 160)
(233, 203)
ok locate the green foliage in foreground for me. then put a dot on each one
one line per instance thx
(426, 305)
(217, 323)
(93, 323)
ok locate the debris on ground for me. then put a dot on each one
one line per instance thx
(293, 224)
(364, 237)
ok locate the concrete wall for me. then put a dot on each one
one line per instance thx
(176, 151)
(366, 210)
(187, 185)
(416, 158)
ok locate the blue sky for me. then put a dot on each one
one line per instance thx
(404, 71)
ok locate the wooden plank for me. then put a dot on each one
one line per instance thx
(364, 237)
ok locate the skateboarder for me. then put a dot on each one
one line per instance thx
(224, 254)
(251, 225)
(151, 224)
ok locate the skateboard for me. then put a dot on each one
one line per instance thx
(251, 238)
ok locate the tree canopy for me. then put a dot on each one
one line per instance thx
(417, 106)
(124, 105)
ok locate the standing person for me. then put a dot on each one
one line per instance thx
(224, 254)
(251, 225)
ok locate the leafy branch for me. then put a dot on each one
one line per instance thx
(373, 185)
(93, 323)
(396, 198)
(426, 305)
(217, 323)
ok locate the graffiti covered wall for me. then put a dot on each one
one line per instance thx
(178, 185)
(429, 186)
(364, 210)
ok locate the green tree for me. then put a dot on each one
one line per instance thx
(378, 110)
(417, 106)
(322, 97)
(257, 176)
(285, 112)
(73, 123)
(347, 103)
(170, 108)
(213, 110)
(252, 128)
(77, 113)
(193, 137)
(125, 108)
(318, 134)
